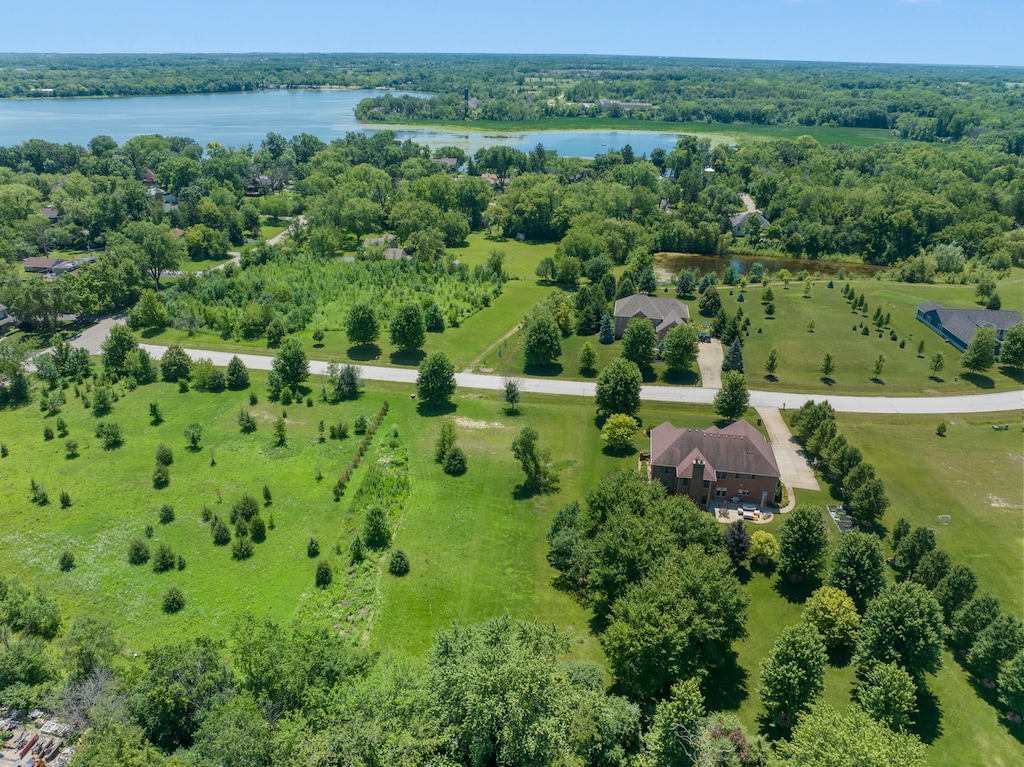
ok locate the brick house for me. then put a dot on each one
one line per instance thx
(708, 464)
(663, 313)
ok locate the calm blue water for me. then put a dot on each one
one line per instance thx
(238, 119)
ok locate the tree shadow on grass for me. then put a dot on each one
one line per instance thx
(1014, 374)
(766, 568)
(730, 687)
(363, 352)
(840, 657)
(680, 377)
(410, 357)
(771, 378)
(524, 491)
(827, 381)
(546, 371)
(619, 452)
(928, 720)
(151, 332)
(878, 381)
(434, 409)
(979, 380)
(796, 592)
(937, 379)
(647, 374)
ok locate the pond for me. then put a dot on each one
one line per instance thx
(667, 265)
(239, 119)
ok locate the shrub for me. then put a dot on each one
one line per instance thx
(155, 416)
(110, 434)
(71, 448)
(206, 515)
(266, 495)
(65, 499)
(102, 401)
(286, 396)
(360, 424)
(253, 399)
(258, 530)
(376, 531)
(238, 374)
(67, 561)
(619, 431)
(454, 462)
(220, 531)
(280, 433)
(39, 494)
(183, 386)
(174, 600)
(161, 476)
(164, 559)
(164, 456)
(193, 435)
(356, 550)
(324, 575)
(138, 552)
(241, 528)
(166, 514)
(148, 531)
(242, 548)
(246, 423)
(398, 565)
(941, 429)
(48, 433)
(339, 431)
(62, 427)
(181, 562)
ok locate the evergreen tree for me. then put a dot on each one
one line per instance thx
(606, 334)
(734, 357)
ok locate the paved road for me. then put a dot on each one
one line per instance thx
(93, 337)
(974, 403)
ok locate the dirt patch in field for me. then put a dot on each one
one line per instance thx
(469, 423)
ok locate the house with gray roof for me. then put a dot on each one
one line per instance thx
(708, 464)
(738, 221)
(663, 313)
(958, 326)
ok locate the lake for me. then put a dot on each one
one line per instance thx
(668, 265)
(238, 119)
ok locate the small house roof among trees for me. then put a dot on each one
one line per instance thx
(738, 221)
(40, 264)
(665, 313)
(737, 448)
(958, 326)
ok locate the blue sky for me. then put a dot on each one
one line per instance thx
(900, 31)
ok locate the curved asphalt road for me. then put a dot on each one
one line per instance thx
(91, 339)
(973, 403)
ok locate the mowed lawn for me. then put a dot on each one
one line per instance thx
(905, 373)
(476, 548)
(974, 474)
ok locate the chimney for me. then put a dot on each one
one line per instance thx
(697, 481)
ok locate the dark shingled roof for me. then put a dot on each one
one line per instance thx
(737, 448)
(663, 310)
(964, 323)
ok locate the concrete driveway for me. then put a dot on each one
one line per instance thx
(709, 360)
(788, 454)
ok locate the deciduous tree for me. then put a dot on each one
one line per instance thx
(435, 383)
(618, 388)
(903, 625)
(803, 541)
(732, 399)
(793, 674)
